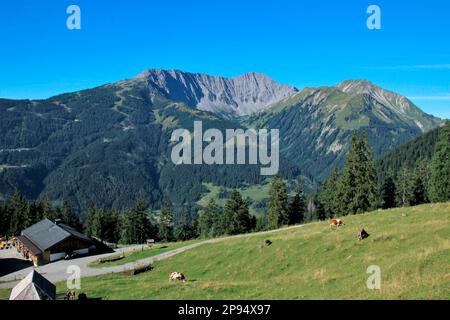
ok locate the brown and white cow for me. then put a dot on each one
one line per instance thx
(177, 276)
(336, 223)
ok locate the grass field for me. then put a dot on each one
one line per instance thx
(410, 245)
(255, 193)
(142, 254)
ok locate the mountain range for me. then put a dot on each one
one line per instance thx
(110, 144)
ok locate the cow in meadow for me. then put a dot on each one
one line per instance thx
(336, 223)
(177, 276)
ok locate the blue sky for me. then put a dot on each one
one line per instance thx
(303, 43)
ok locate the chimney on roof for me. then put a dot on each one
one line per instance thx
(58, 221)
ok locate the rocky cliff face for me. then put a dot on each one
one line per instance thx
(230, 97)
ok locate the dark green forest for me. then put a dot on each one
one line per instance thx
(414, 177)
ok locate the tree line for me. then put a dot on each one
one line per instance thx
(362, 186)
(17, 214)
(356, 188)
(234, 217)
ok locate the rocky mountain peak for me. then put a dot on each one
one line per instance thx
(232, 97)
(358, 87)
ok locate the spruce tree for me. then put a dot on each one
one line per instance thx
(68, 217)
(5, 220)
(208, 220)
(331, 195)
(316, 210)
(359, 179)
(33, 213)
(278, 204)
(142, 220)
(440, 167)
(403, 187)
(90, 223)
(420, 184)
(388, 193)
(349, 177)
(366, 178)
(297, 207)
(47, 208)
(165, 223)
(184, 229)
(237, 215)
(105, 225)
(18, 208)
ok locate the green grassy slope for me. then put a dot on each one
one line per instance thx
(411, 246)
(142, 254)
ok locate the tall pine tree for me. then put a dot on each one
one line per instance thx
(359, 179)
(404, 187)
(209, 222)
(388, 192)
(165, 223)
(297, 207)
(331, 196)
(18, 208)
(184, 229)
(440, 167)
(420, 183)
(278, 204)
(237, 216)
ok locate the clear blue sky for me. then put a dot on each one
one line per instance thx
(303, 43)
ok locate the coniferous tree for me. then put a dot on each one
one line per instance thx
(5, 219)
(331, 195)
(366, 178)
(359, 179)
(420, 184)
(128, 227)
(388, 193)
(349, 179)
(404, 187)
(68, 217)
(90, 223)
(18, 208)
(165, 223)
(297, 207)
(46, 209)
(142, 220)
(261, 223)
(107, 227)
(278, 204)
(439, 190)
(136, 223)
(237, 215)
(315, 209)
(33, 213)
(184, 229)
(209, 222)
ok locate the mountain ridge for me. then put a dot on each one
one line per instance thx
(230, 97)
(87, 146)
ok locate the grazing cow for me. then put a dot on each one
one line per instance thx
(362, 234)
(177, 276)
(336, 223)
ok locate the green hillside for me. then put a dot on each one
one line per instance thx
(410, 245)
(316, 124)
(410, 153)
